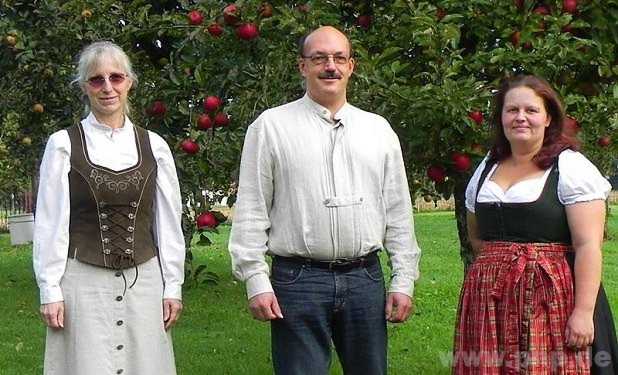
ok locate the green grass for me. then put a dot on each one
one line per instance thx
(217, 336)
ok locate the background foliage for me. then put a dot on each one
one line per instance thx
(427, 66)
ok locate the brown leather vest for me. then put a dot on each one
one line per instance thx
(111, 222)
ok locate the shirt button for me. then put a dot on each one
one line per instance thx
(118, 273)
(119, 347)
(119, 298)
(119, 323)
(133, 204)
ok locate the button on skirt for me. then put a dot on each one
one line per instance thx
(110, 328)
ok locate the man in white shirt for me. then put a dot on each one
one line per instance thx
(322, 189)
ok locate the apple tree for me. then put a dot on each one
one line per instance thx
(208, 68)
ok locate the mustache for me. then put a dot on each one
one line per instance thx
(329, 75)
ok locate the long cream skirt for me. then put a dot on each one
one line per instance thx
(108, 330)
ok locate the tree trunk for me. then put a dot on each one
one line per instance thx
(465, 250)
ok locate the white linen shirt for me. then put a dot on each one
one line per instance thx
(578, 181)
(321, 189)
(114, 149)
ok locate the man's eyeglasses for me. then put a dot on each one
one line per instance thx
(97, 82)
(321, 59)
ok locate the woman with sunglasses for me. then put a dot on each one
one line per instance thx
(108, 246)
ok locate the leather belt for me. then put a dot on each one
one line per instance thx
(333, 265)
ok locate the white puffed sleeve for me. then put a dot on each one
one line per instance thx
(473, 184)
(168, 215)
(51, 223)
(580, 180)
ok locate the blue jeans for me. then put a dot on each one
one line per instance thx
(320, 307)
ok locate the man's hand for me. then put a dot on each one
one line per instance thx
(265, 307)
(53, 314)
(171, 311)
(398, 307)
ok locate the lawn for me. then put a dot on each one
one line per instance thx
(217, 336)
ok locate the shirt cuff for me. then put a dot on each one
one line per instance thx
(258, 284)
(51, 294)
(173, 291)
(400, 284)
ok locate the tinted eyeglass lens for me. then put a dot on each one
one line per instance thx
(98, 81)
(116, 78)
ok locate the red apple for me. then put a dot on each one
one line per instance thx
(604, 141)
(567, 29)
(364, 21)
(528, 45)
(204, 122)
(190, 146)
(461, 162)
(206, 219)
(195, 17)
(440, 13)
(222, 119)
(541, 10)
(476, 116)
(515, 38)
(212, 103)
(569, 6)
(157, 109)
(230, 14)
(570, 126)
(247, 31)
(266, 10)
(436, 173)
(215, 30)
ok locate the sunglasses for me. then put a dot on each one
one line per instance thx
(114, 79)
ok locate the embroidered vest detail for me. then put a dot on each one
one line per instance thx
(111, 222)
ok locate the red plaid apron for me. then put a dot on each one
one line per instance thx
(514, 306)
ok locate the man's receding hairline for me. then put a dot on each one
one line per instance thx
(306, 37)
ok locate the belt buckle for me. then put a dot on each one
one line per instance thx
(337, 263)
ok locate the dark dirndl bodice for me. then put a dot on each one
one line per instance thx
(545, 220)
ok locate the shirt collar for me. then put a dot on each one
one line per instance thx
(91, 122)
(323, 112)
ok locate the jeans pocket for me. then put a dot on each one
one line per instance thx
(374, 272)
(286, 274)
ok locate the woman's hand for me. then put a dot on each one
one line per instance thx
(579, 331)
(171, 311)
(53, 314)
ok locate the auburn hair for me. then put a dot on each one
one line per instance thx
(554, 139)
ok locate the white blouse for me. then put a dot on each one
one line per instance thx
(578, 181)
(114, 149)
